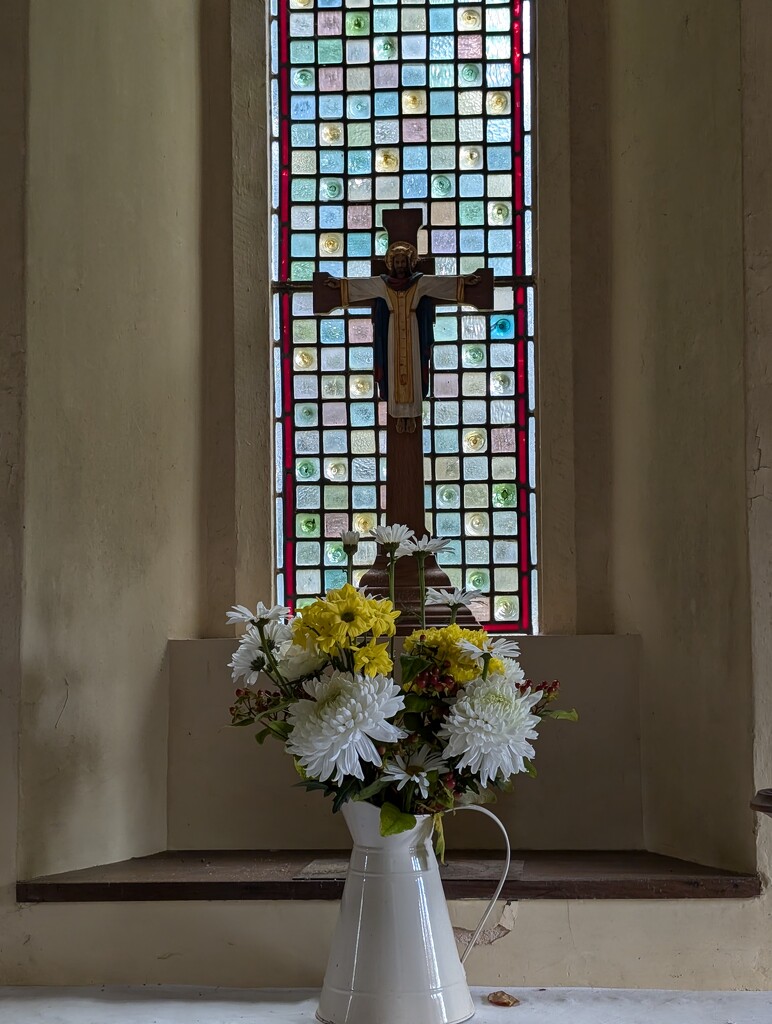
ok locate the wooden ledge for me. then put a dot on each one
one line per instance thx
(318, 875)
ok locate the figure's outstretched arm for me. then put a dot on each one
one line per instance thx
(341, 292)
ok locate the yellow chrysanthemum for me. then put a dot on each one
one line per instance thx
(373, 659)
(445, 643)
(383, 618)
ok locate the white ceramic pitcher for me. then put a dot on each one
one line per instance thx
(393, 958)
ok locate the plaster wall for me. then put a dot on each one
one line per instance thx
(112, 432)
(680, 558)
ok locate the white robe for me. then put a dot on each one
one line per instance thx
(404, 350)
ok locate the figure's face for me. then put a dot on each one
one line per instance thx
(400, 265)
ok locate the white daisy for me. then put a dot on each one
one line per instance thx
(451, 598)
(334, 731)
(350, 539)
(240, 613)
(428, 545)
(489, 727)
(501, 648)
(415, 769)
(249, 660)
(392, 536)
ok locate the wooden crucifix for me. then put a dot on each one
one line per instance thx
(404, 292)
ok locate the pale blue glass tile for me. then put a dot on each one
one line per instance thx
(276, 319)
(470, 129)
(308, 581)
(442, 103)
(364, 497)
(414, 158)
(477, 552)
(471, 239)
(275, 108)
(441, 76)
(302, 52)
(532, 525)
(335, 442)
(303, 245)
(358, 51)
(443, 158)
(451, 555)
(360, 189)
(413, 48)
(334, 359)
(277, 388)
(386, 132)
(275, 247)
(531, 451)
(446, 413)
(526, 95)
(278, 458)
(359, 243)
(305, 387)
(413, 75)
(475, 412)
(499, 129)
(303, 304)
(331, 161)
(471, 185)
(446, 265)
(448, 524)
(497, 19)
(331, 107)
(331, 217)
(329, 3)
(502, 411)
(531, 377)
(279, 535)
(358, 268)
(362, 415)
(473, 329)
(528, 243)
(504, 551)
(360, 161)
(303, 108)
(441, 21)
(307, 442)
(529, 301)
(476, 468)
(498, 75)
(306, 415)
(498, 47)
(385, 49)
(385, 21)
(499, 158)
(446, 329)
(444, 357)
(303, 190)
(500, 265)
(363, 470)
(303, 135)
(505, 524)
(274, 48)
(500, 241)
(386, 105)
(526, 170)
(442, 47)
(414, 186)
(301, 26)
(332, 332)
(445, 441)
(334, 579)
(358, 106)
(360, 357)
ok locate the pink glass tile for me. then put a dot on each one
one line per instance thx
(330, 79)
(445, 385)
(386, 76)
(470, 47)
(502, 440)
(329, 23)
(360, 217)
(334, 414)
(414, 129)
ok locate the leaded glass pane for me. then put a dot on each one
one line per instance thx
(374, 106)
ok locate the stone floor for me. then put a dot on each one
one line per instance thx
(177, 1005)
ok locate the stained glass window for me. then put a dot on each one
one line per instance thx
(378, 105)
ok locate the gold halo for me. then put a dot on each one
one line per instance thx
(409, 250)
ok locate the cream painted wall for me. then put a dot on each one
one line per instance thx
(113, 407)
(680, 559)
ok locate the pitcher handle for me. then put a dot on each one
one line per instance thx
(502, 880)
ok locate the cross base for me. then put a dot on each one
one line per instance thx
(408, 595)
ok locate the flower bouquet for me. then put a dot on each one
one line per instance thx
(448, 726)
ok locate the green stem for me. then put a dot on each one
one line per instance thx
(486, 666)
(453, 613)
(351, 568)
(421, 556)
(279, 678)
(392, 552)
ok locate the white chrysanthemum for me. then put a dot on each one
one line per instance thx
(334, 731)
(501, 648)
(240, 613)
(392, 536)
(451, 598)
(513, 671)
(489, 727)
(297, 661)
(426, 544)
(415, 769)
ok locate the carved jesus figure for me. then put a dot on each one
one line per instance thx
(403, 326)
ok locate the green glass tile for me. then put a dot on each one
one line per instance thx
(330, 51)
(357, 23)
(307, 525)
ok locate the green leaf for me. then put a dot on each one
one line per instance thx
(530, 768)
(373, 789)
(567, 716)
(279, 729)
(417, 703)
(243, 721)
(439, 837)
(262, 736)
(412, 666)
(344, 794)
(394, 821)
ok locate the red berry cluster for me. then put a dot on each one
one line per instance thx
(549, 689)
(436, 678)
